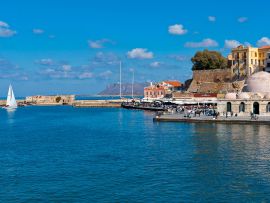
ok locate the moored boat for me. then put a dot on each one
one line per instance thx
(142, 107)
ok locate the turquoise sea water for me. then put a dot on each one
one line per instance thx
(65, 154)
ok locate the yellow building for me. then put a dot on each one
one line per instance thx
(264, 58)
(246, 60)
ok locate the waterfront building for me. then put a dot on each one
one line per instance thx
(254, 98)
(246, 60)
(162, 89)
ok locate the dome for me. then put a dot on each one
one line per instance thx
(259, 82)
(243, 95)
(267, 96)
(230, 96)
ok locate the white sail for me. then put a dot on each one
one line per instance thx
(11, 101)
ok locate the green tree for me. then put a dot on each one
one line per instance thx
(58, 99)
(207, 60)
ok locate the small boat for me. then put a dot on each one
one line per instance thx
(11, 101)
(140, 107)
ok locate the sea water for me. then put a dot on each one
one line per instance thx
(65, 154)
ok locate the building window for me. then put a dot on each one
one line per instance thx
(256, 108)
(259, 62)
(268, 65)
(229, 107)
(268, 107)
(255, 54)
(260, 55)
(251, 61)
(255, 61)
(242, 107)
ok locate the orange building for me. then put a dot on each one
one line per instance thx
(173, 85)
(159, 90)
(154, 92)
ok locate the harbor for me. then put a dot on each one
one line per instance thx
(134, 101)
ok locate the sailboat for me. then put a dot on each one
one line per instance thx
(11, 101)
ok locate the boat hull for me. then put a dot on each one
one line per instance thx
(126, 106)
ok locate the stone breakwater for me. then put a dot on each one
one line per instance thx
(98, 103)
(76, 103)
(3, 102)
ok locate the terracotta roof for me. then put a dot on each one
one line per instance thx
(174, 83)
(154, 88)
(265, 47)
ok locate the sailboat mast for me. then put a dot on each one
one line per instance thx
(132, 90)
(120, 80)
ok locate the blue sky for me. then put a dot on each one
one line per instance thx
(73, 47)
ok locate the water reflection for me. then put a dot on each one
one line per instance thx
(239, 152)
(10, 115)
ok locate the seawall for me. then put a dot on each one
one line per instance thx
(98, 103)
(3, 102)
(209, 119)
(77, 103)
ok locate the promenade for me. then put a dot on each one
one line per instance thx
(211, 119)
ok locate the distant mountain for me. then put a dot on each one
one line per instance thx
(113, 89)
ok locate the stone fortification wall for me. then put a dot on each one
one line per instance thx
(55, 99)
(217, 75)
(214, 81)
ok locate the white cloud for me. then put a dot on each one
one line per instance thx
(177, 29)
(264, 41)
(212, 18)
(65, 72)
(102, 58)
(179, 57)
(8, 70)
(3, 24)
(38, 31)
(247, 44)
(105, 74)
(242, 19)
(66, 67)
(204, 43)
(155, 64)
(5, 31)
(98, 44)
(85, 75)
(230, 44)
(140, 53)
(46, 62)
(95, 44)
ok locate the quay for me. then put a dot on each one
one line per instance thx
(211, 119)
(98, 103)
(76, 103)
